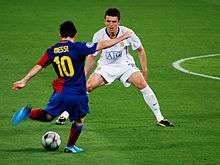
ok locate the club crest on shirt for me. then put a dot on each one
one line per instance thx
(89, 44)
(122, 44)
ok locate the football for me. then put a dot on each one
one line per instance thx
(51, 141)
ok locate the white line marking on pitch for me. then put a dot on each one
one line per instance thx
(177, 66)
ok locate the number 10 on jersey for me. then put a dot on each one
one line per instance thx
(65, 66)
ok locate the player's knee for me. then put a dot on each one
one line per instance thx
(89, 87)
(141, 84)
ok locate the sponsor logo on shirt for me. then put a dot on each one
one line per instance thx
(113, 55)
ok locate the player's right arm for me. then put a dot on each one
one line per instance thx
(44, 61)
(23, 82)
(108, 43)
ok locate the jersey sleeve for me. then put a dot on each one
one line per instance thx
(86, 48)
(95, 39)
(44, 60)
(135, 42)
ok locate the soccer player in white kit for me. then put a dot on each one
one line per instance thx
(116, 63)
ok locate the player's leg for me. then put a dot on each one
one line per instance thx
(149, 96)
(32, 113)
(95, 80)
(51, 111)
(40, 115)
(62, 118)
(21, 115)
(74, 134)
(77, 114)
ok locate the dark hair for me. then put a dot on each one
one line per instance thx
(68, 29)
(114, 12)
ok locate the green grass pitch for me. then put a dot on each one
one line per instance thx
(120, 130)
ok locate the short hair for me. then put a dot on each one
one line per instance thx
(114, 12)
(68, 29)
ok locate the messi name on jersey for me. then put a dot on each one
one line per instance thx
(61, 49)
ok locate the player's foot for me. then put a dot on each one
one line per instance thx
(165, 123)
(73, 149)
(61, 120)
(21, 115)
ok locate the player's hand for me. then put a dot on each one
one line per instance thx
(18, 85)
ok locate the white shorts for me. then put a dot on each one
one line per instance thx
(116, 72)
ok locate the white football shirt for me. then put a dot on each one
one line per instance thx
(117, 54)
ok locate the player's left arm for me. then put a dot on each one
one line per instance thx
(143, 61)
(23, 82)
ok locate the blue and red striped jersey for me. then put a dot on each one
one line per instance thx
(68, 60)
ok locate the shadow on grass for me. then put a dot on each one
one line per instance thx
(29, 150)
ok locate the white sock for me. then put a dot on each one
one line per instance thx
(151, 100)
(65, 114)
